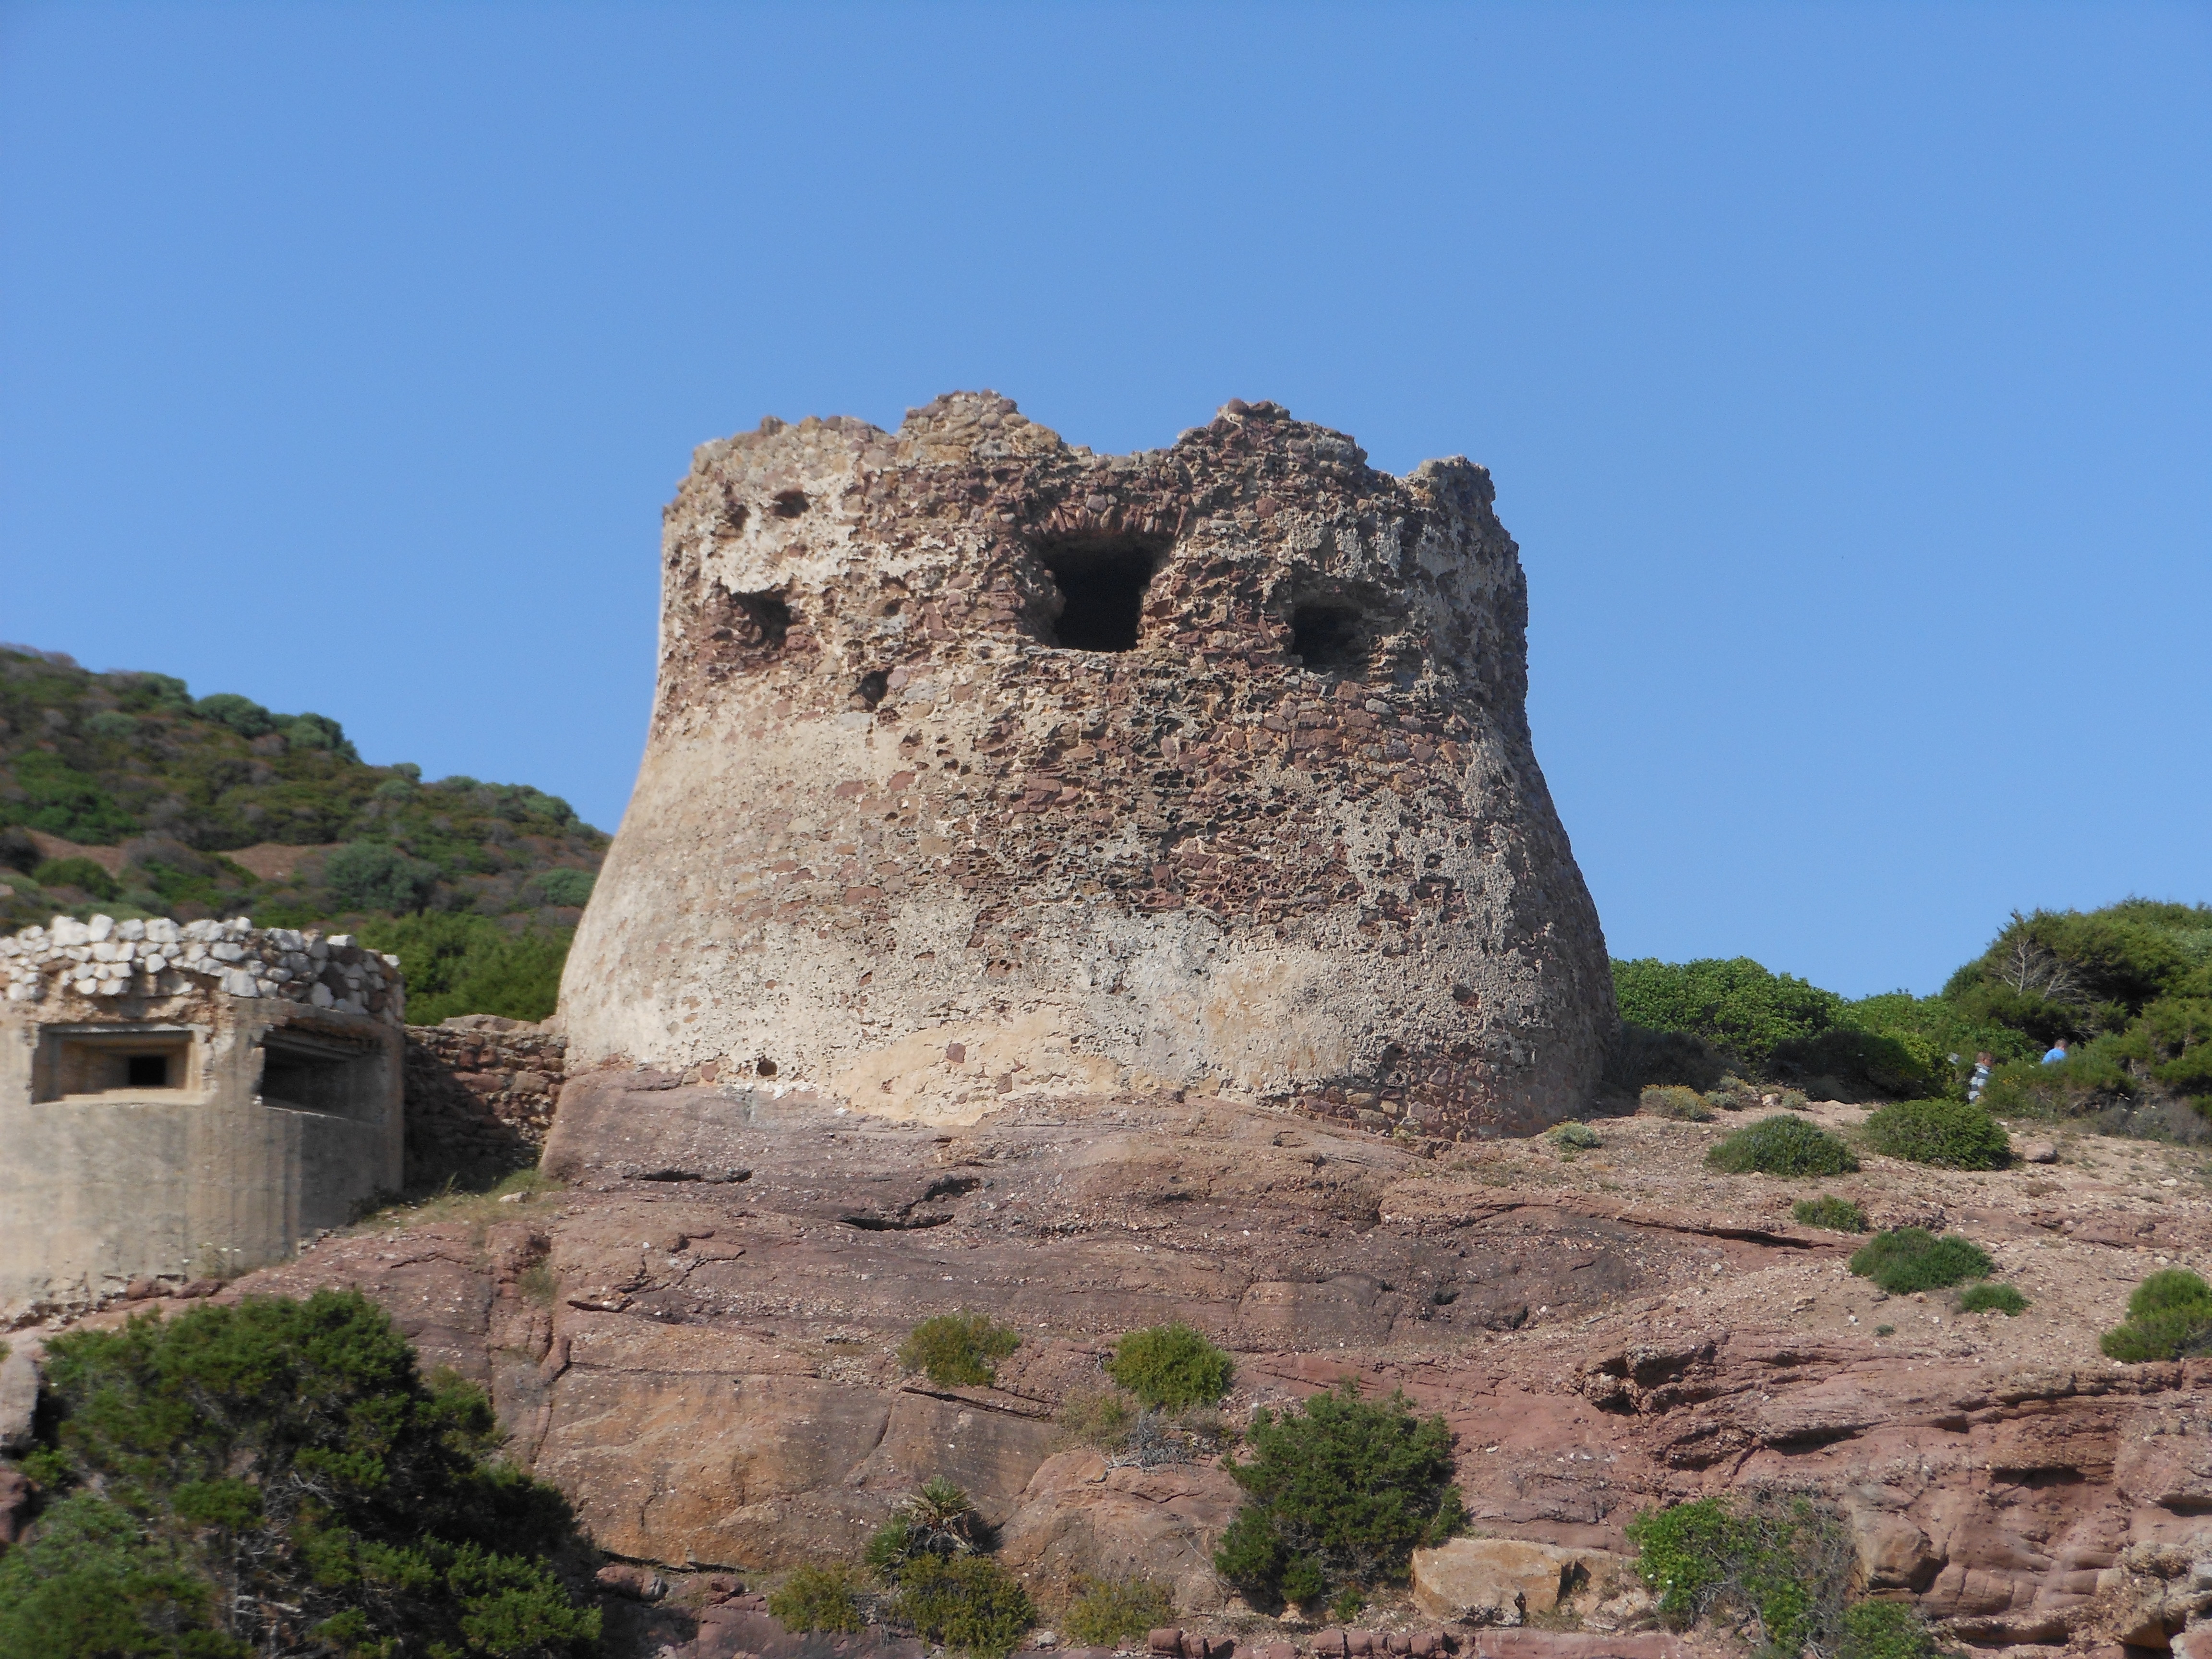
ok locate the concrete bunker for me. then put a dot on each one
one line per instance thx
(186, 1101)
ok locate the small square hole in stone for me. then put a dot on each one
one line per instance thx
(1102, 585)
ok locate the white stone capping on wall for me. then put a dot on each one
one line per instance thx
(104, 957)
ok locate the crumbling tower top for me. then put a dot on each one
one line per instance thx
(981, 763)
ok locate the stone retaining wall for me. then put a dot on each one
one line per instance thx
(480, 1094)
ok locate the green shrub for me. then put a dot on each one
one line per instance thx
(2170, 1315)
(956, 1351)
(936, 1519)
(1105, 1611)
(2091, 1078)
(2003, 1298)
(820, 1598)
(1347, 1487)
(60, 799)
(1640, 1057)
(367, 875)
(1100, 1418)
(1736, 1004)
(1575, 1136)
(1734, 1094)
(1170, 1366)
(2172, 1038)
(85, 875)
(1671, 1100)
(462, 964)
(375, 1515)
(1784, 1561)
(1836, 1215)
(970, 1603)
(1782, 1146)
(93, 1580)
(1885, 1630)
(1909, 1258)
(241, 714)
(1866, 1060)
(1303, 1583)
(1949, 1134)
(565, 886)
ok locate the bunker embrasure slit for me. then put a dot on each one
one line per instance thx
(72, 1061)
(1101, 587)
(316, 1074)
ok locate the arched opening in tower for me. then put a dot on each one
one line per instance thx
(1101, 584)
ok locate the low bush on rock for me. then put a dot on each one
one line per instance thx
(1105, 1611)
(1169, 1367)
(1339, 1492)
(1827, 1212)
(1950, 1134)
(2001, 1298)
(2170, 1315)
(969, 1603)
(1910, 1259)
(820, 1598)
(938, 1519)
(1671, 1100)
(957, 1350)
(1099, 1418)
(287, 1457)
(1782, 1561)
(1885, 1630)
(1575, 1136)
(1782, 1146)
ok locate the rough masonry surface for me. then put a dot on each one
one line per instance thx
(981, 764)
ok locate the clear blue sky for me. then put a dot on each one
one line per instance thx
(1844, 370)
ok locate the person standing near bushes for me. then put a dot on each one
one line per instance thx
(1982, 1062)
(2056, 1054)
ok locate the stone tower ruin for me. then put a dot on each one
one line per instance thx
(981, 765)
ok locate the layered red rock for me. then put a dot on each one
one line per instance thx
(695, 1338)
(981, 765)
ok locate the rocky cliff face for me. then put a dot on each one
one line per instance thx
(981, 763)
(694, 1337)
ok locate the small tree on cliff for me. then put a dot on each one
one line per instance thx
(1339, 1493)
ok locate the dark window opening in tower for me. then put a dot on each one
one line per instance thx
(1102, 585)
(1330, 637)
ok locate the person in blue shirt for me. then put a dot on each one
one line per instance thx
(2057, 1052)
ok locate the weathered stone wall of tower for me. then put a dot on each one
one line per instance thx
(981, 763)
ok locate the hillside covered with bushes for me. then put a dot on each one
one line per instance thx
(2128, 986)
(123, 793)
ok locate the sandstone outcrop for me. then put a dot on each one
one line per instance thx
(1503, 1581)
(694, 1335)
(981, 764)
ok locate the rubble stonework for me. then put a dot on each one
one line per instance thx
(480, 1094)
(914, 826)
(180, 1103)
(104, 958)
